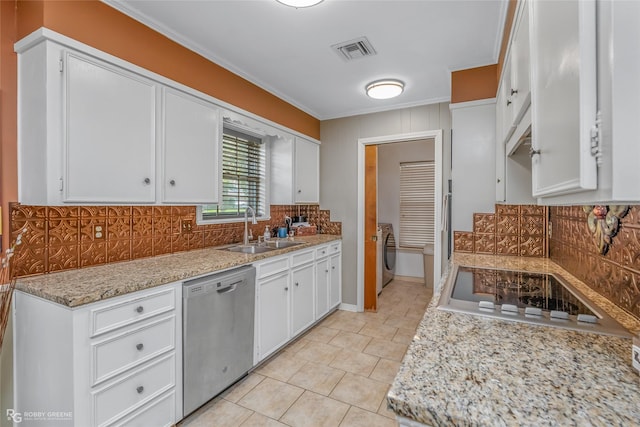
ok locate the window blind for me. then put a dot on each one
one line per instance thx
(417, 204)
(243, 176)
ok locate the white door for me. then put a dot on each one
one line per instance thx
(335, 279)
(302, 309)
(191, 149)
(307, 168)
(322, 287)
(563, 95)
(109, 133)
(273, 306)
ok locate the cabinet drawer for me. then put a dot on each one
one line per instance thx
(322, 251)
(131, 392)
(301, 258)
(108, 318)
(272, 267)
(334, 248)
(118, 354)
(161, 412)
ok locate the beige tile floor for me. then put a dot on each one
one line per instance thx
(337, 374)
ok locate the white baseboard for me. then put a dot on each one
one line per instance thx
(348, 307)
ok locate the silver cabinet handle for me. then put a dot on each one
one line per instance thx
(139, 309)
(514, 91)
(140, 346)
(139, 389)
(172, 182)
(508, 102)
(299, 191)
(297, 284)
(533, 152)
(286, 288)
(333, 267)
(326, 271)
(147, 181)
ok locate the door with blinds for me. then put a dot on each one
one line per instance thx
(417, 204)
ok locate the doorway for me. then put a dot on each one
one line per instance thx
(367, 220)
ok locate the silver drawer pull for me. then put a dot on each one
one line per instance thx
(139, 309)
(140, 346)
(140, 389)
(147, 181)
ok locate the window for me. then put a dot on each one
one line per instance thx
(417, 203)
(243, 177)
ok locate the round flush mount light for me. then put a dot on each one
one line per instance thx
(385, 89)
(300, 3)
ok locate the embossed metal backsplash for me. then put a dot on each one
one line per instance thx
(511, 230)
(68, 237)
(615, 275)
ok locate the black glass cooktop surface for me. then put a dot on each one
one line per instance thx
(519, 288)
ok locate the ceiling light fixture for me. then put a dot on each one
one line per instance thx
(385, 89)
(300, 3)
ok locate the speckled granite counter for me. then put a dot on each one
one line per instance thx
(463, 370)
(77, 287)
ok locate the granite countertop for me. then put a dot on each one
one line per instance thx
(74, 288)
(463, 370)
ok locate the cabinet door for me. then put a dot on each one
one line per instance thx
(335, 280)
(563, 95)
(500, 144)
(191, 149)
(281, 149)
(273, 306)
(307, 167)
(109, 133)
(322, 287)
(520, 91)
(302, 309)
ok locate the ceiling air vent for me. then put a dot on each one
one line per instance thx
(354, 49)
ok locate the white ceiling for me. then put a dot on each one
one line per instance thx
(287, 51)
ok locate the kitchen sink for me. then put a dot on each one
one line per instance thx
(279, 244)
(250, 249)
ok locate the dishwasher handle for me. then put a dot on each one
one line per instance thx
(228, 287)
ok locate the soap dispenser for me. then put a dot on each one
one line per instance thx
(267, 233)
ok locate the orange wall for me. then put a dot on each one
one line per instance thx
(474, 83)
(100, 26)
(482, 82)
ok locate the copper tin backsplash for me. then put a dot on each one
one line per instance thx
(615, 275)
(517, 230)
(64, 237)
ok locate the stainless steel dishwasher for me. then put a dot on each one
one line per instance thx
(217, 319)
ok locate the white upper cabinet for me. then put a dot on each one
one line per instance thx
(295, 170)
(109, 133)
(563, 96)
(307, 169)
(190, 149)
(519, 83)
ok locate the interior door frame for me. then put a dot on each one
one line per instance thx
(436, 135)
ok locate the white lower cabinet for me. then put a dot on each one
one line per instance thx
(293, 292)
(116, 362)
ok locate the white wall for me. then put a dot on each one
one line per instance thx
(473, 168)
(408, 262)
(339, 169)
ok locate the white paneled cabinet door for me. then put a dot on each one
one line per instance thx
(335, 279)
(302, 310)
(109, 133)
(322, 287)
(274, 313)
(307, 167)
(520, 91)
(563, 95)
(191, 149)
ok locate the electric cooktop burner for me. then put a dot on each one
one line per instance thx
(521, 296)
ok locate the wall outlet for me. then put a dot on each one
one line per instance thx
(635, 355)
(187, 224)
(98, 231)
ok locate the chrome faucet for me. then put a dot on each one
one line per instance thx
(246, 221)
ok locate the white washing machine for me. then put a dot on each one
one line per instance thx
(388, 253)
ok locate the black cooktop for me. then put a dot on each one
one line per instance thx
(519, 288)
